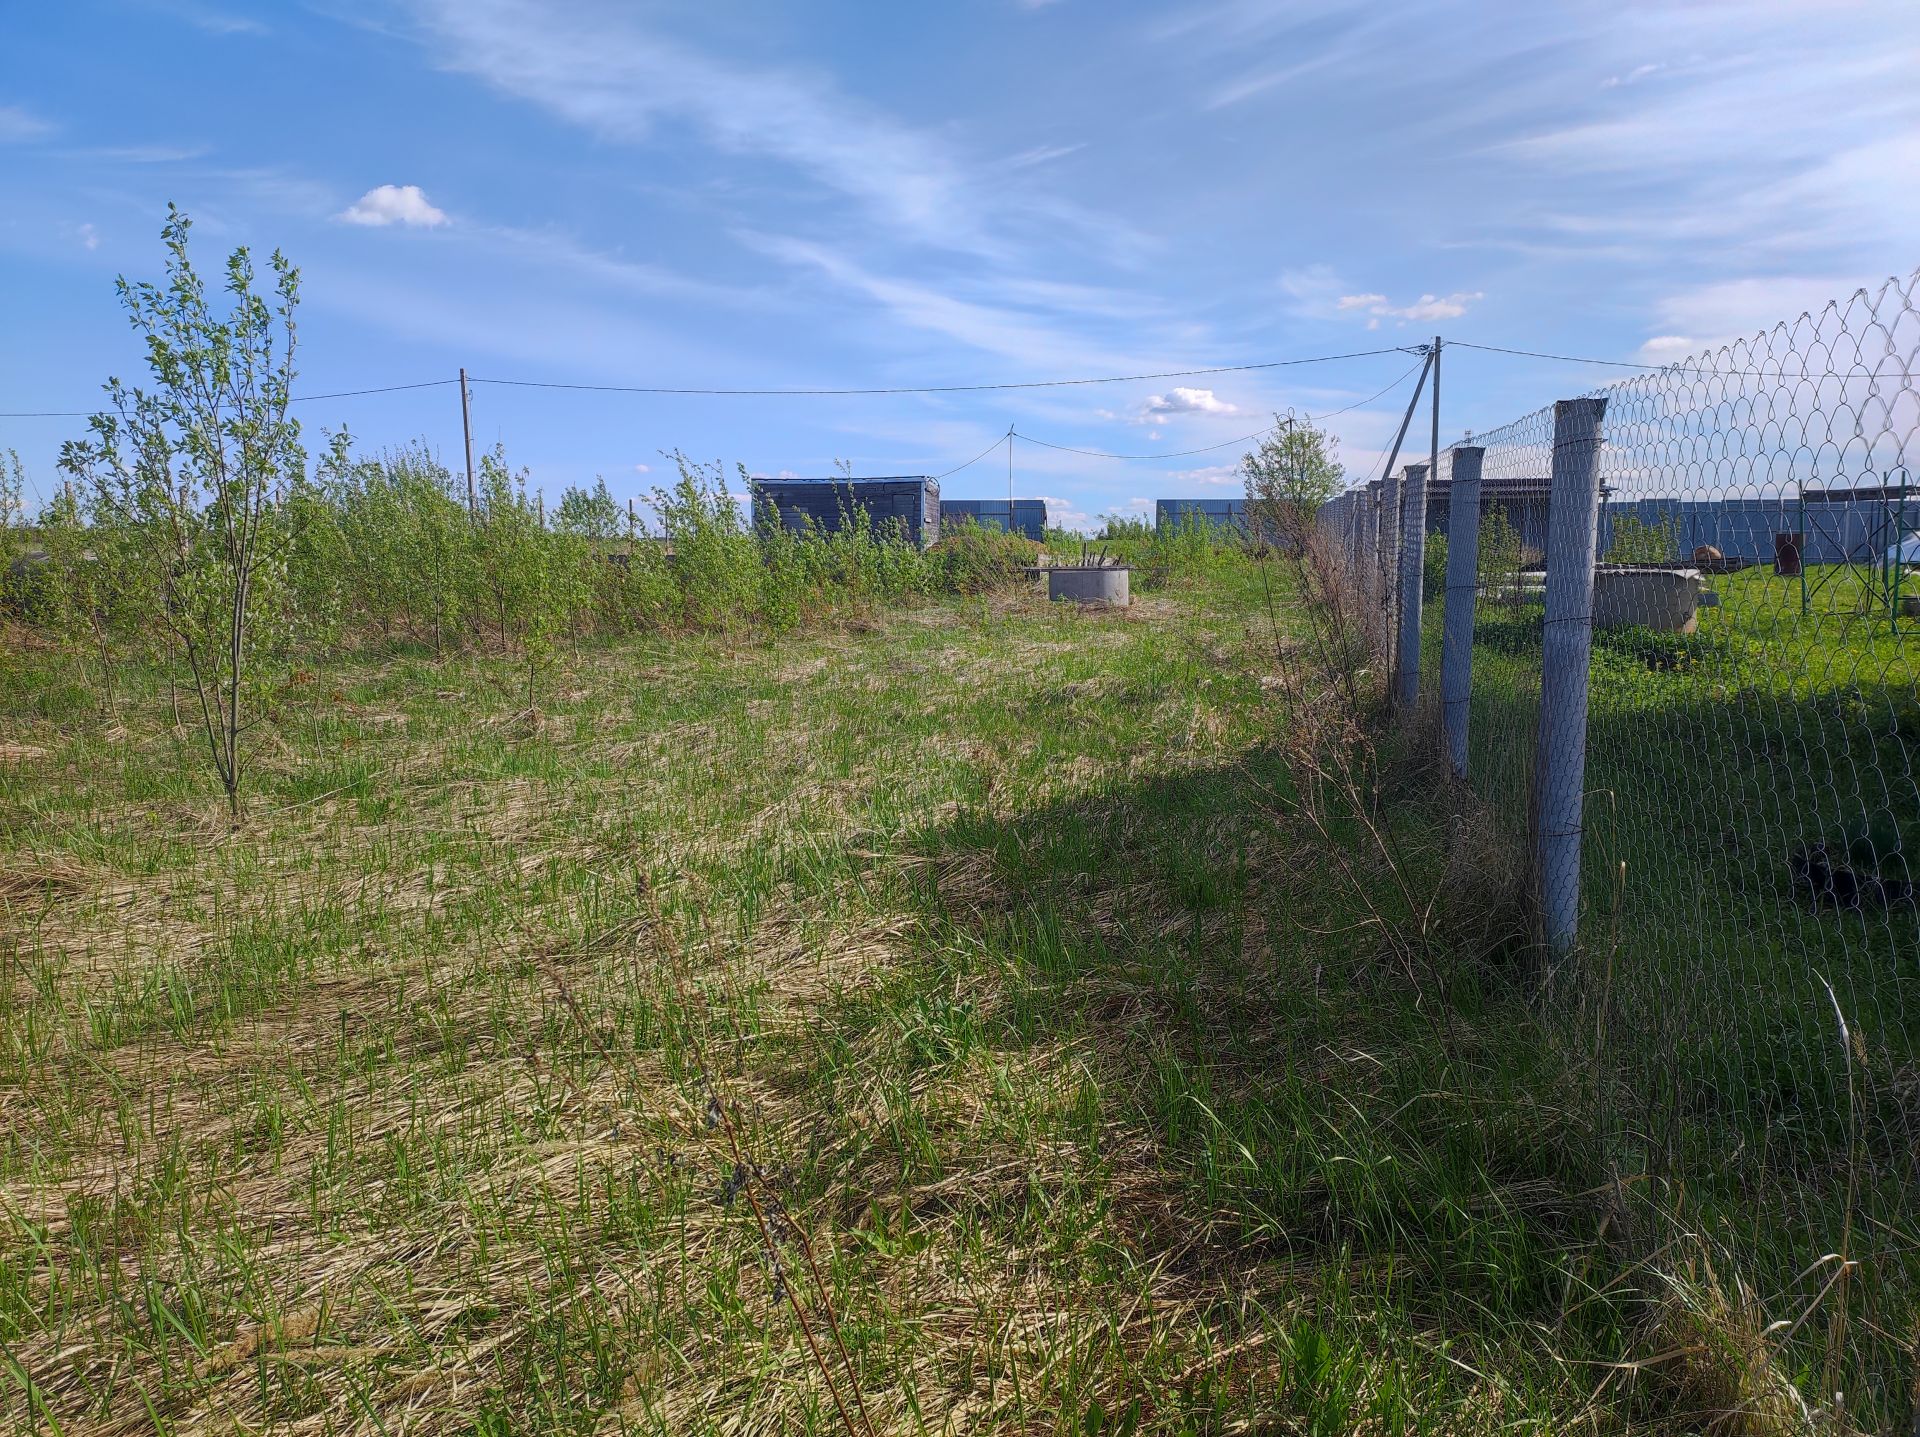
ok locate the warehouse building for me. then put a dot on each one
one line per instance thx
(900, 506)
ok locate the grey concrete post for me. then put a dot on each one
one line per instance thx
(1384, 580)
(1463, 592)
(1413, 562)
(1370, 542)
(1560, 753)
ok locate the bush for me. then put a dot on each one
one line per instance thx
(970, 559)
(1633, 541)
(1433, 570)
(716, 562)
(1126, 528)
(1188, 550)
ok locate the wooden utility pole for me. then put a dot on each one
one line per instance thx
(466, 430)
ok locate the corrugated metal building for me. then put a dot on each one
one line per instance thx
(1838, 525)
(1029, 516)
(906, 506)
(1524, 499)
(1221, 513)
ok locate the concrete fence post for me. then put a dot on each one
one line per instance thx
(1463, 592)
(1560, 753)
(1413, 563)
(1387, 576)
(1369, 575)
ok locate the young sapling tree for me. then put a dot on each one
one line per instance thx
(192, 466)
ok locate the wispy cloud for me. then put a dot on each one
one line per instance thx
(208, 18)
(996, 329)
(1426, 308)
(1708, 316)
(604, 68)
(139, 154)
(17, 123)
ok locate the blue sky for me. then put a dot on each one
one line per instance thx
(771, 195)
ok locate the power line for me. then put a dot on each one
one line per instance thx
(1004, 438)
(297, 399)
(938, 388)
(1230, 443)
(782, 393)
(1682, 366)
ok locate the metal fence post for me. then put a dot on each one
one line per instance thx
(1413, 563)
(1463, 592)
(1560, 754)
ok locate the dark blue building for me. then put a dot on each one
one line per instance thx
(1029, 516)
(903, 506)
(1220, 513)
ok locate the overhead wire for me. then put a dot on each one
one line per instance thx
(938, 388)
(1681, 366)
(296, 399)
(1006, 438)
(1229, 443)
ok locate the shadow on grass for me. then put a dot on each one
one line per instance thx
(1275, 1112)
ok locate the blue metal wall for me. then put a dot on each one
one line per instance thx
(897, 504)
(1227, 513)
(1029, 515)
(1836, 531)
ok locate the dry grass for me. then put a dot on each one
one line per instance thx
(951, 988)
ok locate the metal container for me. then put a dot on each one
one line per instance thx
(1092, 585)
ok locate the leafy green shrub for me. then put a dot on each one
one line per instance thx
(1634, 541)
(970, 559)
(1187, 550)
(1125, 527)
(535, 579)
(716, 561)
(1433, 568)
(1499, 552)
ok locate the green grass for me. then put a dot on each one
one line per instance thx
(976, 943)
(1717, 762)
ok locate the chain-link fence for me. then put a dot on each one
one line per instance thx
(1683, 675)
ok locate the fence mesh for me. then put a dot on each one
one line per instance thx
(1745, 993)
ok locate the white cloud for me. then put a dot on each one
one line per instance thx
(643, 469)
(393, 205)
(1183, 400)
(1211, 475)
(1427, 307)
(18, 124)
(89, 237)
(1663, 347)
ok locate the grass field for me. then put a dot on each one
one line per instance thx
(1749, 984)
(951, 986)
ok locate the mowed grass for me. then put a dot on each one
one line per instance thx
(952, 986)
